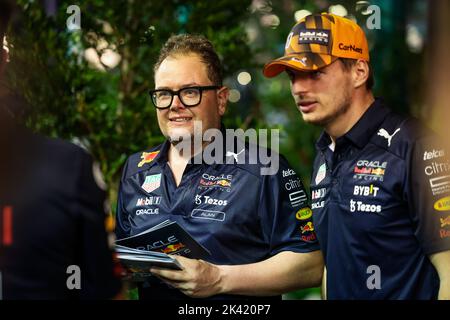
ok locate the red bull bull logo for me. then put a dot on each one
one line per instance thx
(378, 172)
(307, 227)
(171, 248)
(224, 183)
(445, 222)
(370, 170)
(147, 157)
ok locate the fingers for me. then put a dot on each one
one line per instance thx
(178, 285)
(172, 275)
(182, 259)
(188, 281)
(186, 288)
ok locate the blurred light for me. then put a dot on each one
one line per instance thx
(110, 58)
(274, 118)
(235, 96)
(414, 39)
(270, 20)
(102, 44)
(244, 78)
(6, 48)
(366, 12)
(338, 10)
(353, 18)
(107, 28)
(300, 14)
(91, 56)
(261, 6)
(91, 38)
(182, 14)
(252, 33)
(363, 6)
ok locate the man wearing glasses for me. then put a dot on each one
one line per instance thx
(261, 238)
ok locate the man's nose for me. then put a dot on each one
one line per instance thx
(299, 85)
(177, 104)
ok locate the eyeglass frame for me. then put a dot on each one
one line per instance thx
(177, 93)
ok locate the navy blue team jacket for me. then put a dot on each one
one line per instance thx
(239, 215)
(380, 208)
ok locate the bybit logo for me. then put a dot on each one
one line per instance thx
(366, 191)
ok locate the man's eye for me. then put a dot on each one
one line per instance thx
(291, 76)
(316, 74)
(163, 94)
(190, 92)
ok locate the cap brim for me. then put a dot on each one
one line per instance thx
(306, 61)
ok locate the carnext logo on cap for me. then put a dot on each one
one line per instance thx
(350, 47)
(317, 36)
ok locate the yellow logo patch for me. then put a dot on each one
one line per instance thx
(303, 214)
(147, 157)
(442, 204)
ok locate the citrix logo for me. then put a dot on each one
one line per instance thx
(293, 184)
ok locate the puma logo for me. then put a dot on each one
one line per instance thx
(235, 155)
(303, 60)
(388, 136)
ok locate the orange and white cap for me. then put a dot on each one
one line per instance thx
(318, 40)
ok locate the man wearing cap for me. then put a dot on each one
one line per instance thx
(257, 227)
(380, 180)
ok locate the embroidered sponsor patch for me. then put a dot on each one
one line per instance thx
(321, 173)
(147, 157)
(442, 204)
(152, 182)
(314, 36)
(303, 214)
(208, 214)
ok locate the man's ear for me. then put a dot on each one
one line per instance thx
(222, 99)
(360, 73)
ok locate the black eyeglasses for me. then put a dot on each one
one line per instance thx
(190, 97)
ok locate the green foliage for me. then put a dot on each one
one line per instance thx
(108, 109)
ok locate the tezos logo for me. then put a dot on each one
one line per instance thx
(362, 207)
(209, 200)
